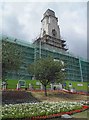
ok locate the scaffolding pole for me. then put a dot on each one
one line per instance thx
(81, 70)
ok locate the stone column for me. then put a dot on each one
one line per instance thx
(18, 86)
(3, 85)
(51, 86)
(60, 86)
(41, 87)
(30, 86)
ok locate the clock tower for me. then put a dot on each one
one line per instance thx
(50, 31)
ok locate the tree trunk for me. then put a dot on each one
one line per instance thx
(45, 90)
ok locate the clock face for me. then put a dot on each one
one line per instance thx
(54, 33)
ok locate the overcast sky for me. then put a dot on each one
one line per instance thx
(23, 20)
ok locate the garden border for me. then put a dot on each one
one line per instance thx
(62, 113)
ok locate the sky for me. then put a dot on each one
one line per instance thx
(22, 20)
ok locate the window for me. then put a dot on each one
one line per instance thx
(44, 32)
(54, 33)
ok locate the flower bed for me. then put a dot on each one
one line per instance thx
(15, 97)
(38, 110)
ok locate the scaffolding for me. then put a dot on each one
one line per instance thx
(77, 69)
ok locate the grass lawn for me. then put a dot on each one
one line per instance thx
(83, 114)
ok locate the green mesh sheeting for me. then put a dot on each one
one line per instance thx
(77, 68)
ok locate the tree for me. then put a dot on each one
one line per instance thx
(11, 57)
(47, 70)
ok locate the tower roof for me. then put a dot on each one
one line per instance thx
(49, 12)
